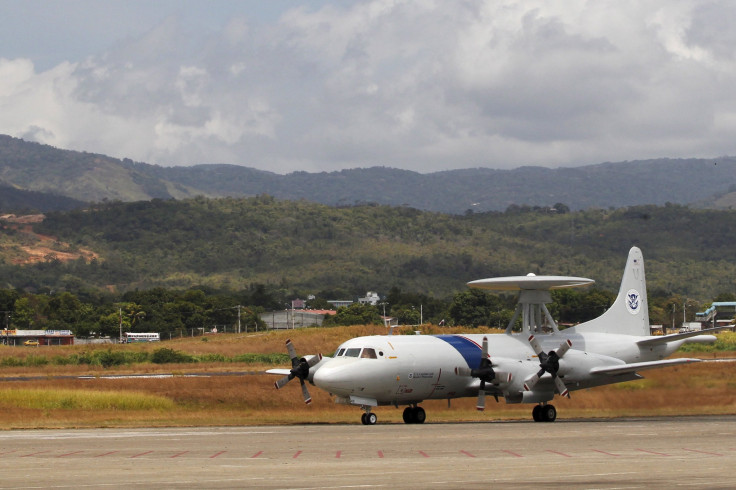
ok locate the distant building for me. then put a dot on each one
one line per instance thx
(36, 337)
(338, 303)
(371, 298)
(298, 304)
(285, 319)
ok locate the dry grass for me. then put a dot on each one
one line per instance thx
(251, 399)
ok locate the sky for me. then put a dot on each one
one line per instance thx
(327, 85)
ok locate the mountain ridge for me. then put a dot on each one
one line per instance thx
(88, 177)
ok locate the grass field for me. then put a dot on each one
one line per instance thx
(705, 388)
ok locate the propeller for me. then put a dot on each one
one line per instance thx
(548, 363)
(485, 373)
(299, 369)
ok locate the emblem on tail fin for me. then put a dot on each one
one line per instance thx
(633, 303)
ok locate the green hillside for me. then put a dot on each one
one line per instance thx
(305, 247)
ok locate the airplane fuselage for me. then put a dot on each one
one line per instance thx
(405, 369)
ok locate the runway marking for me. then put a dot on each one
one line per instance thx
(652, 452)
(296, 454)
(141, 454)
(217, 454)
(380, 454)
(702, 452)
(338, 454)
(8, 452)
(33, 454)
(558, 452)
(256, 454)
(512, 453)
(606, 453)
(179, 454)
(470, 455)
(106, 454)
(69, 454)
(424, 454)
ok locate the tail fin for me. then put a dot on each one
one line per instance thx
(629, 314)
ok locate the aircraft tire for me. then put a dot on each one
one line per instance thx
(537, 413)
(419, 415)
(364, 419)
(549, 413)
(408, 415)
(371, 419)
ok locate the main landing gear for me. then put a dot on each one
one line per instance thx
(369, 418)
(414, 415)
(544, 413)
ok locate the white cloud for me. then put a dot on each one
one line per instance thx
(422, 85)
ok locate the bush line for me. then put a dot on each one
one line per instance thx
(164, 355)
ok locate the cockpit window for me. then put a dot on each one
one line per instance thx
(340, 352)
(368, 353)
(354, 352)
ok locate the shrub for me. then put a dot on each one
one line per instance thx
(168, 356)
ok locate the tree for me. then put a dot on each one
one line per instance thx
(355, 314)
(471, 308)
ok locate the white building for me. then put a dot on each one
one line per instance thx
(371, 298)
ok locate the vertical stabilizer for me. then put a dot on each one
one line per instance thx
(629, 314)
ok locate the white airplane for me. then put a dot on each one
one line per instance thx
(527, 367)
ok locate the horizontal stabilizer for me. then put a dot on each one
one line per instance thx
(640, 366)
(664, 339)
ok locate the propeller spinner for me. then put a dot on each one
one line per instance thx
(299, 369)
(548, 363)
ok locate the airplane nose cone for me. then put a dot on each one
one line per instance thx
(335, 377)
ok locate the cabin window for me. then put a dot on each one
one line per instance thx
(369, 353)
(354, 352)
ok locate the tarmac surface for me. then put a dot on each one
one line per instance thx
(677, 452)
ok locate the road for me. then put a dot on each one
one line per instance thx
(622, 453)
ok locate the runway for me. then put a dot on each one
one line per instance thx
(623, 453)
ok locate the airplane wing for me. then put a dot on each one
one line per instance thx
(640, 366)
(663, 339)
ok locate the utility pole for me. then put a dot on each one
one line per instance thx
(673, 316)
(120, 313)
(239, 318)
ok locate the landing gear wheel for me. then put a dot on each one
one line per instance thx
(537, 413)
(407, 415)
(419, 415)
(371, 419)
(364, 419)
(549, 413)
(414, 415)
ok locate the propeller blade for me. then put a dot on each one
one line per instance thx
(461, 371)
(561, 387)
(481, 405)
(484, 348)
(536, 346)
(314, 360)
(531, 381)
(292, 352)
(564, 347)
(305, 393)
(282, 382)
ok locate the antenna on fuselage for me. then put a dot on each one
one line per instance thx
(533, 297)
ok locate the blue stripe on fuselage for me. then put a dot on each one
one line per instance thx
(466, 347)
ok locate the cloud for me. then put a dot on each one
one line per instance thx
(419, 85)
